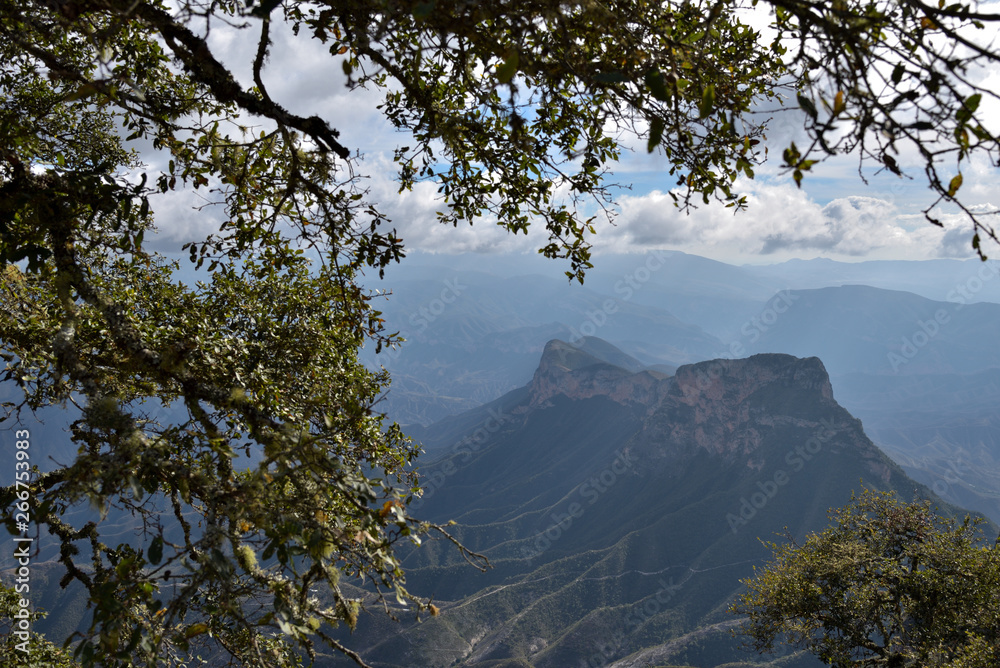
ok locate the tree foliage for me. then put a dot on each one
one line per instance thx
(270, 465)
(26, 648)
(887, 584)
(231, 417)
(888, 78)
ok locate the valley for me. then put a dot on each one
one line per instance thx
(620, 508)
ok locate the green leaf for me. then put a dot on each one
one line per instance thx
(507, 69)
(85, 90)
(657, 85)
(655, 133)
(155, 553)
(611, 77)
(791, 155)
(807, 105)
(424, 10)
(969, 106)
(707, 101)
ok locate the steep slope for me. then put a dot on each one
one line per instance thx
(922, 374)
(620, 511)
(476, 424)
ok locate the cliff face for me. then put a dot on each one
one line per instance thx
(728, 406)
(571, 371)
(725, 407)
(726, 381)
(765, 413)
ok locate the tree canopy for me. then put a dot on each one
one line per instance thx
(887, 584)
(235, 410)
(16, 647)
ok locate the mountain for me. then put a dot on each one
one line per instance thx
(941, 280)
(914, 348)
(620, 508)
(475, 325)
(712, 294)
(477, 424)
(857, 328)
(924, 376)
(471, 336)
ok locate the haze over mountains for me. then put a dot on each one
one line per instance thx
(920, 332)
(620, 506)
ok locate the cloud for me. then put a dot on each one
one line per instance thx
(783, 221)
(955, 242)
(413, 214)
(851, 226)
(182, 216)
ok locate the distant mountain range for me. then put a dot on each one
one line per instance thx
(944, 429)
(891, 334)
(857, 328)
(471, 337)
(923, 375)
(620, 507)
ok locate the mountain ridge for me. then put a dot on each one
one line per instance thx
(570, 370)
(622, 509)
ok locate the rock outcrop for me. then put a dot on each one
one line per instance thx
(569, 370)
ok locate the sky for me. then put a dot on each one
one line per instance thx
(835, 214)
